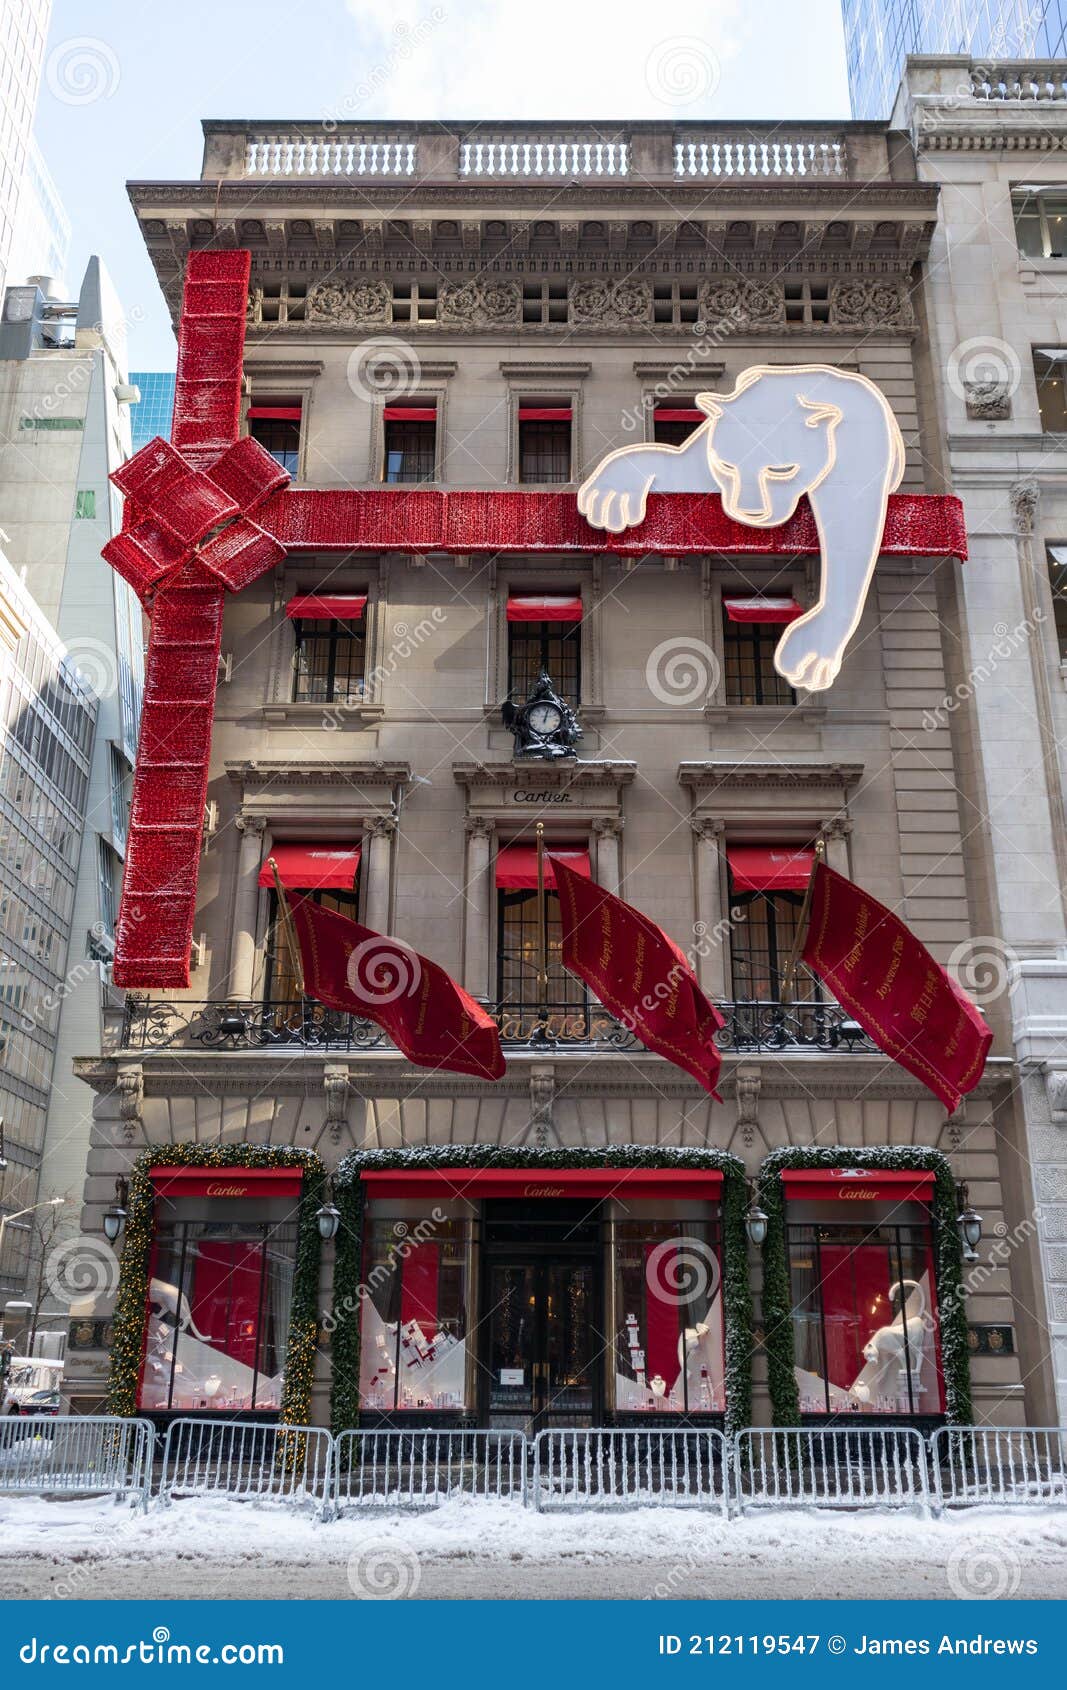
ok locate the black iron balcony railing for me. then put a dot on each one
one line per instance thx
(751, 1027)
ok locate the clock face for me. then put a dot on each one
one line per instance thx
(544, 718)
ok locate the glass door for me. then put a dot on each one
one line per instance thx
(541, 1326)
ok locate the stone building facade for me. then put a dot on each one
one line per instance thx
(491, 309)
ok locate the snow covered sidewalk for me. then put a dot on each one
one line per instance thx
(223, 1549)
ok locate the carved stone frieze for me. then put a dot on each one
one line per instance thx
(350, 304)
(483, 303)
(864, 302)
(742, 304)
(988, 401)
(611, 305)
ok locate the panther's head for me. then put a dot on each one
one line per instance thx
(764, 454)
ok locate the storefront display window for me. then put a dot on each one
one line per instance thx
(865, 1319)
(413, 1350)
(218, 1314)
(668, 1322)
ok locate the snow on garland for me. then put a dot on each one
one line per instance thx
(948, 1267)
(349, 1292)
(131, 1305)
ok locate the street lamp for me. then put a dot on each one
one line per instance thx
(115, 1217)
(46, 1203)
(969, 1222)
(755, 1219)
(329, 1219)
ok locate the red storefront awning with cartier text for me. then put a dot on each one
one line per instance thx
(546, 607)
(321, 607)
(516, 867)
(854, 1185)
(226, 1182)
(594, 1183)
(770, 868)
(762, 609)
(313, 868)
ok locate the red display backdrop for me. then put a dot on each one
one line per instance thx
(206, 515)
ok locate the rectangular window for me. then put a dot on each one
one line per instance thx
(110, 881)
(1040, 221)
(1057, 574)
(668, 1320)
(121, 794)
(413, 1351)
(85, 504)
(275, 423)
(767, 886)
(1050, 367)
(410, 443)
(864, 1318)
(518, 951)
(329, 659)
(218, 1312)
(673, 424)
(552, 647)
(544, 443)
(749, 675)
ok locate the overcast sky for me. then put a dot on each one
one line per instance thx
(126, 85)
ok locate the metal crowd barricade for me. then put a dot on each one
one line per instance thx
(423, 1468)
(84, 1454)
(616, 1467)
(831, 1467)
(246, 1460)
(999, 1464)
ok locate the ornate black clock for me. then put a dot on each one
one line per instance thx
(545, 726)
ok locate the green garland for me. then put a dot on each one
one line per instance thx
(131, 1303)
(948, 1267)
(348, 1192)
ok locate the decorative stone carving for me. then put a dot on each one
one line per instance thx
(1024, 499)
(254, 310)
(608, 827)
(742, 304)
(335, 1085)
(129, 1083)
(254, 826)
(542, 1097)
(483, 303)
(611, 305)
(479, 827)
(749, 1081)
(381, 827)
(344, 305)
(987, 401)
(866, 303)
(1056, 1090)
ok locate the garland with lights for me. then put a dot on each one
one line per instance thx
(948, 1270)
(348, 1290)
(131, 1304)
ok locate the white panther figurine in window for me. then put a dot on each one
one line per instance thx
(781, 433)
(894, 1352)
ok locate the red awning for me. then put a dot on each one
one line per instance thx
(762, 610)
(275, 413)
(516, 866)
(666, 1183)
(544, 413)
(313, 868)
(770, 868)
(678, 413)
(547, 608)
(410, 413)
(315, 607)
(226, 1182)
(887, 1185)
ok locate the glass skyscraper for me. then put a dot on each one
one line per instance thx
(152, 414)
(879, 34)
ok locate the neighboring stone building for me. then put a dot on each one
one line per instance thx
(993, 139)
(491, 309)
(64, 400)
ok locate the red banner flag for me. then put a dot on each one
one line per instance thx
(639, 974)
(426, 1014)
(901, 997)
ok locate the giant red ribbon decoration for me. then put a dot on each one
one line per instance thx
(210, 513)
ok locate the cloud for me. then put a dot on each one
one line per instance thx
(465, 59)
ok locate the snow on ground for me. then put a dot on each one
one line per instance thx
(208, 1547)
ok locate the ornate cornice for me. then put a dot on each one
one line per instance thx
(280, 772)
(561, 774)
(711, 776)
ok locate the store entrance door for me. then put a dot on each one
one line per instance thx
(542, 1357)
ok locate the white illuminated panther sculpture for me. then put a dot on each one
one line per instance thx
(782, 432)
